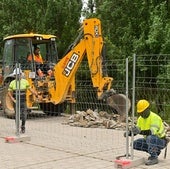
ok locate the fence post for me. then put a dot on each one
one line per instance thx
(127, 138)
(17, 104)
(133, 102)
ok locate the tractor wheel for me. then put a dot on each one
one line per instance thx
(52, 109)
(7, 103)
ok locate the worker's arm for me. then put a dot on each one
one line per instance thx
(33, 91)
(29, 58)
(28, 87)
(10, 94)
(136, 130)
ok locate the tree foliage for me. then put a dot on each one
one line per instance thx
(129, 26)
(57, 17)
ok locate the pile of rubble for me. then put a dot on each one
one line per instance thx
(95, 119)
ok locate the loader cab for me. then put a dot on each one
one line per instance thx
(17, 48)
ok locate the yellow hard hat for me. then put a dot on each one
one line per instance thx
(142, 105)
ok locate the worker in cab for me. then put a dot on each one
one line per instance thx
(36, 56)
(150, 125)
(39, 63)
(37, 59)
(19, 83)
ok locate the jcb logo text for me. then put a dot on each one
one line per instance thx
(70, 65)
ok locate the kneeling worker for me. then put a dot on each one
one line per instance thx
(149, 125)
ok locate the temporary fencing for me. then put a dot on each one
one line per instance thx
(93, 132)
(153, 82)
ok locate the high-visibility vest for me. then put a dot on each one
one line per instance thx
(153, 123)
(37, 58)
(23, 84)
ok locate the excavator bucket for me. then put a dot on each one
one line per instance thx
(117, 102)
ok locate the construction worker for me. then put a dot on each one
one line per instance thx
(37, 59)
(39, 62)
(23, 85)
(149, 125)
(36, 56)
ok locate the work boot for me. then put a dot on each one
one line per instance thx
(22, 129)
(151, 161)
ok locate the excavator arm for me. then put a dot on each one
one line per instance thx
(89, 44)
(94, 46)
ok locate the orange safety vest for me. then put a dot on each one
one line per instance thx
(37, 58)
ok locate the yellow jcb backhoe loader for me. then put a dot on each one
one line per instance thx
(58, 88)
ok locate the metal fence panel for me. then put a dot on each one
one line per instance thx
(58, 140)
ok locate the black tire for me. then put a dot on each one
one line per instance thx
(7, 103)
(52, 109)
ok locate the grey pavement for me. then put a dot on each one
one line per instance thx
(54, 145)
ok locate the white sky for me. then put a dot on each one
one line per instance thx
(85, 3)
(84, 6)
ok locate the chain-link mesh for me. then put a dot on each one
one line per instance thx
(153, 82)
(86, 95)
(97, 142)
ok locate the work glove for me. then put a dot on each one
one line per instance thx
(135, 130)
